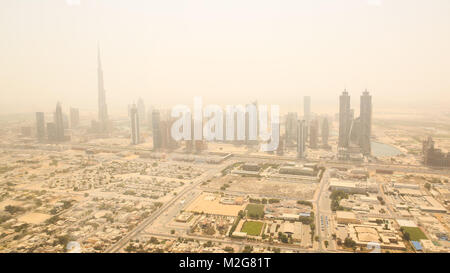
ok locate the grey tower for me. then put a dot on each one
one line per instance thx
(301, 139)
(134, 115)
(40, 126)
(59, 123)
(156, 124)
(344, 119)
(325, 132)
(366, 122)
(102, 107)
(291, 128)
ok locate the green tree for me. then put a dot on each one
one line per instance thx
(406, 236)
(348, 242)
(247, 249)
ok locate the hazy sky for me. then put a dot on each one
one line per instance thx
(228, 51)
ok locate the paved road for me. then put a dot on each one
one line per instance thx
(238, 242)
(388, 204)
(324, 215)
(317, 205)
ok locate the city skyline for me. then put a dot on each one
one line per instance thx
(211, 126)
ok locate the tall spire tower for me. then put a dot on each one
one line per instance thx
(366, 122)
(102, 107)
(345, 119)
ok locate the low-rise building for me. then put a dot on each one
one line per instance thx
(353, 187)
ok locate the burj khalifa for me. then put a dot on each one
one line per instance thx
(102, 107)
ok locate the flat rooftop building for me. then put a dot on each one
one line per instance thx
(353, 187)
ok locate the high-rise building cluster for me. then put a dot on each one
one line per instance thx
(354, 140)
(304, 132)
(354, 133)
(55, 131)
(433, 156)
(161, 125)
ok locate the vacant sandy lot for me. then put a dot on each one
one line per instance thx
(9, 203)
(210, 204)
(266, 187)
(34, 218)
(367, 234)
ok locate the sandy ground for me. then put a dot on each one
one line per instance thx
(210, 204)
(9, 203)
(367, 234)
(266, 187)
(34, 218)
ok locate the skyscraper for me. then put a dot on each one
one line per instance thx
(325, 132)
(134, 116)
(59, 123)
(344, 119)
(102, 107)
(366, 122)
(301, 140)
(156, 124)
(74, 117)
(354, 133)
(40, 126)
(280, 149)
(433, 156)
(166, 136)
(190, 143)
(291, 129)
